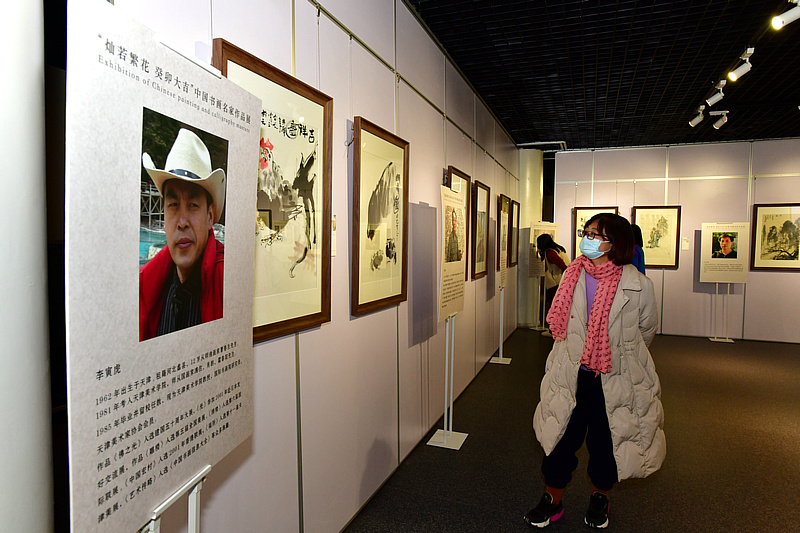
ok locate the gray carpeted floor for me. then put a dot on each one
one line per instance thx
(733, 450)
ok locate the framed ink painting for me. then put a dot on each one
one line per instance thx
(380, 218)
(459, 181)
(480, 229)
(775, 237)
(292, 177)
(503, 224)
(661, 232)
(580, 215)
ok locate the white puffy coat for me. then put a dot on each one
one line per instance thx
(631, 388)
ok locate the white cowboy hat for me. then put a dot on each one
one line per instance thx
(189, 160)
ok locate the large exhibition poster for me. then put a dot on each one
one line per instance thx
(724, 251)
(159, 268)
(454, 251)
(536, 267)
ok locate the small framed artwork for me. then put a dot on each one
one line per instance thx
(292, 221)
(380, 218)
(459, 181)
(513, 244)
(480, 229)
(661, 232)
(581, 215)
(775, 236)
(503, 229)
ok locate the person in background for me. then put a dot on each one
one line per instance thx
(600, 384)
(638, 250)
(555, 263)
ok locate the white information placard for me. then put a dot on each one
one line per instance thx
(159, 270)
(536, 265)
(454, 252)
(724, 252)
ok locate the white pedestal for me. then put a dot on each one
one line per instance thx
(453, 441)
(500, 361)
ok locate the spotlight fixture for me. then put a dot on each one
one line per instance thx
(723, 118)
(745, 67)
(790, 16)
(699, 118)
(716, 97)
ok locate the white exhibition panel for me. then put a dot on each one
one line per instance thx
(776, 190)
(423, 127)
(459, 100)
(348, 398)
(484, 127)
(776, 157)
(710, 182)
(371, 20)
(419, 60)
(507, 153)
(373, 85)
(771, 307)
(573, 166)
(704, 160)
(630, 164)
(160, 16)
(460, 150)
(242, 22)
(607, 193)
(307, 29)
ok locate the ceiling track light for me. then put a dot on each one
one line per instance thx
(716, 97)
(790, 16)
(699, 118)
(744, 68)
(723, 118)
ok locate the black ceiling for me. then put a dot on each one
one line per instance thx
(605, 73)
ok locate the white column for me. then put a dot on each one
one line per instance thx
(26, 493)
(530, 191)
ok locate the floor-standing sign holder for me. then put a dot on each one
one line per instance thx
(715, 338)
(540, 320)
(499, 360)
(447, 438)
(193, 487)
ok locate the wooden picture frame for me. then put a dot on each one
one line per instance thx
(458, 181)
(480, 229)
(774, 241)
(292, 264)
(513, 235)
(503, 233)
(380, 218)
(661, 233)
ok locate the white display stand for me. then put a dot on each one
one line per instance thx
(447, 438)
(499, 360)
(715, 338)
(542, 300)
(193, 487)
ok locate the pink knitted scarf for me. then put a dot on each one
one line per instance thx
(597, 351)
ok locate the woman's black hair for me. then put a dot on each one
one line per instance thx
(545, 242)
(617, 231)
(637, 235)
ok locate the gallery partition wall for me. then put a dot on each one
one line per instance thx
(338, 406)
(713, 183)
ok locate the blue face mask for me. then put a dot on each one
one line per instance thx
(590, 247)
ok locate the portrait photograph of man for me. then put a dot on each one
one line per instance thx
(724, 245)
(181, 249)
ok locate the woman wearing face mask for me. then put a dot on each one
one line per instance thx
(600, 383)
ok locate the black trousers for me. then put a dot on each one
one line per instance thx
(590, 423)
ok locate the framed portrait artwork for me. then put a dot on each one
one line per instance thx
(292, 219)
(503, 230)
(775, 236)
(661, 232)
(380, 218)
(513, 243)
(480, 229)
(458, 181)
(580, 215)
